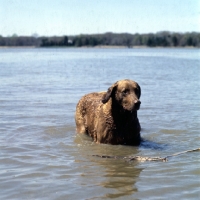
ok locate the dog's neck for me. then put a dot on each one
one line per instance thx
(121, 113)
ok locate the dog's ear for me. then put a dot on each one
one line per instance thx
(109, 92)
(139, 91)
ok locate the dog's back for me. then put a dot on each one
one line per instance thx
(86, 110)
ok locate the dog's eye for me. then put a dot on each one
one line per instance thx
(125, 92)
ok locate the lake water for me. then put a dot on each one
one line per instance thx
(42, 157)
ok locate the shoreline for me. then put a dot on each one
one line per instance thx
(100, 47)
(141, 47)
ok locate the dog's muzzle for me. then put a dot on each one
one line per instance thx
(137, 104)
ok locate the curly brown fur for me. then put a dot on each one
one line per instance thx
(111, 117)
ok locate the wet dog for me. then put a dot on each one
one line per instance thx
(111, 117)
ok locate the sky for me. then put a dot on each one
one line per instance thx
(74, 17)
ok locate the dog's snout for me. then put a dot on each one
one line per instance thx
(137, 102)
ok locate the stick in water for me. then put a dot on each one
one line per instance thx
(142, 159)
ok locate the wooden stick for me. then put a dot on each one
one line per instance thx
(142, 159)
(182, 152)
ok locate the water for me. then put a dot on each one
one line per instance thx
(41, 157)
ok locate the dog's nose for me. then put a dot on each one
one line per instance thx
(137, 102)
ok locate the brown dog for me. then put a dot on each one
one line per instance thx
(111, 117)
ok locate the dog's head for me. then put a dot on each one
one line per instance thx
(125, 93)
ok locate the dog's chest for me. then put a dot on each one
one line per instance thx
(120, 125)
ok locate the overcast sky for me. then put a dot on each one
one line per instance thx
(72, 17)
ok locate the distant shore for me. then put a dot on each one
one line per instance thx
(137, 47)
(101, 47)
(163, 39)
(17, 47)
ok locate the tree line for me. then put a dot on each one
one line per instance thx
(160, 39)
